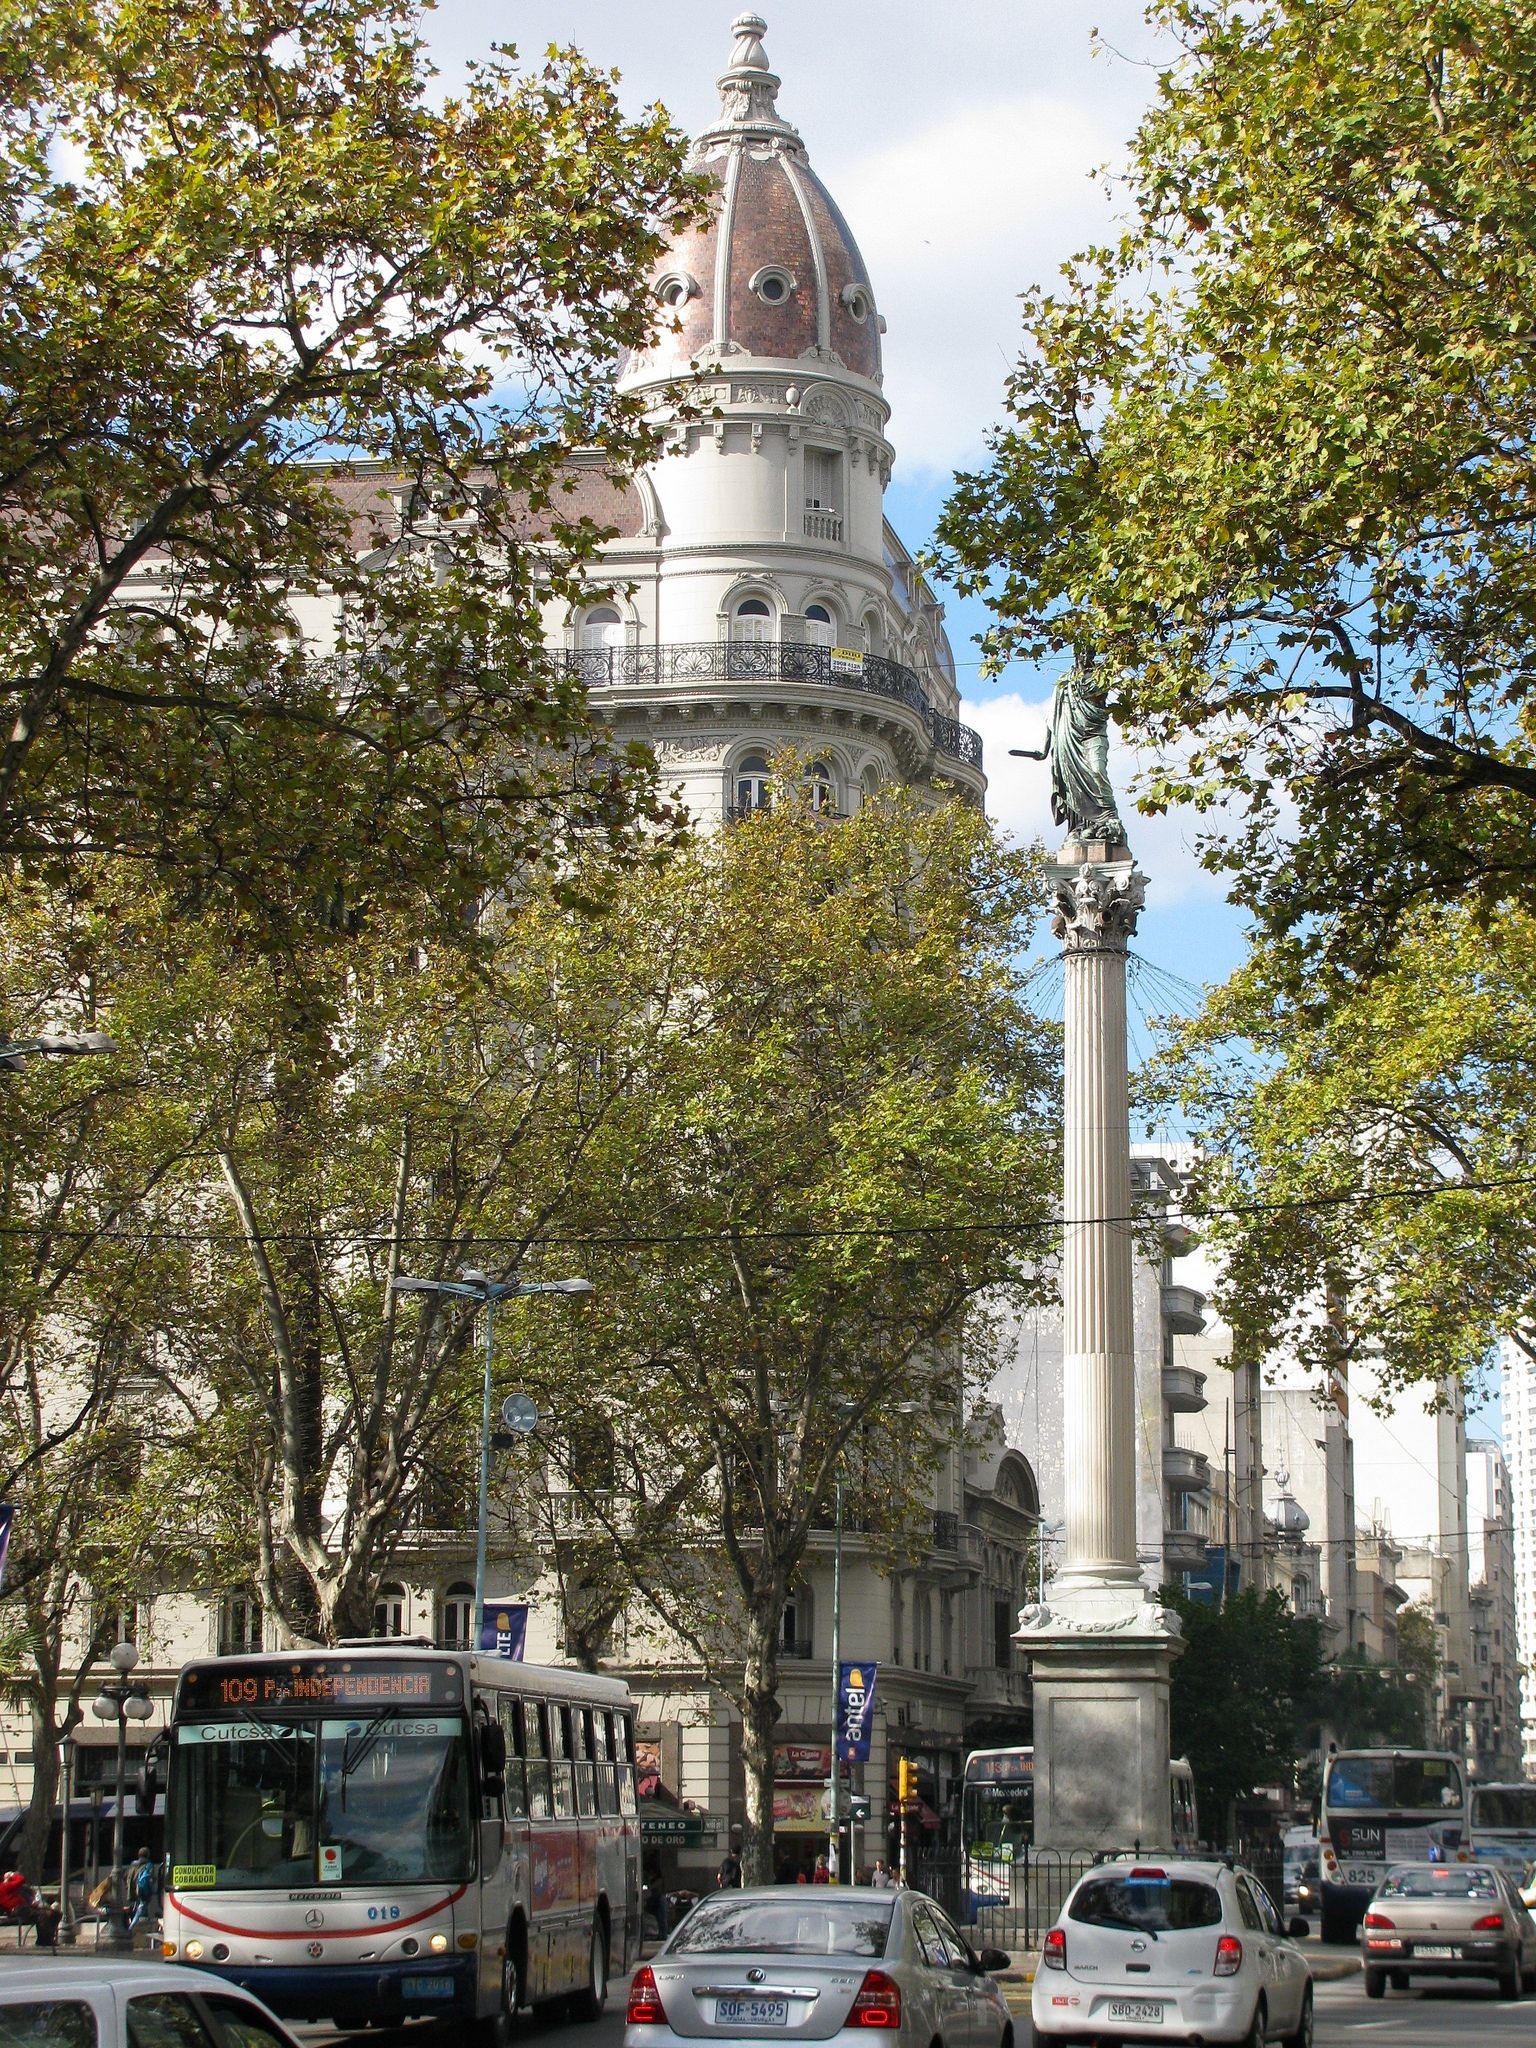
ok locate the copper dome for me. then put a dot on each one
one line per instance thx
(774, 273)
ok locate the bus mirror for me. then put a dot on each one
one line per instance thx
(493, 1756)
(149, 1780)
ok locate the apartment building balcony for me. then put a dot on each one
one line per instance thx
(996, 1685)
(1185, 1471)
(688, 664)
(1183, 1389)
(1183, 1550)
(1184, 1310)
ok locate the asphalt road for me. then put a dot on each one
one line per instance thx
(1471, 2013)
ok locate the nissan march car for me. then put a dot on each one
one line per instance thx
(1178, 1950)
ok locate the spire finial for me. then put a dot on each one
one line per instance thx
(748, 85)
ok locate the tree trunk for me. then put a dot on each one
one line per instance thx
(760, 1710)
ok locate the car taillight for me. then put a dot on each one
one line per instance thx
(1378, 1920)
(1054, 1954)
(1491, 1923)
(645, 2006)
(1229, 1956)
(877, 2002)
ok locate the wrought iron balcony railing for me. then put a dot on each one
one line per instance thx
(773, 661)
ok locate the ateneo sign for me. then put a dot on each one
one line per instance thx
(855, 1711)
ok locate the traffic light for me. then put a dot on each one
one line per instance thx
(906, 1779)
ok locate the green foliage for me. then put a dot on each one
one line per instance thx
(286, 339)
(1241, 1695)
(1369, 1707)
(1270, 453)
(1372, 1146)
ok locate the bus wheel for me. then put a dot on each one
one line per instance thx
(498, 2031)
(590, 2003)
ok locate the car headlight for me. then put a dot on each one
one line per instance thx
(194, 1951)
(438, 1944)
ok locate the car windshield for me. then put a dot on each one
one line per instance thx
(1149, 1905)
(1394, 1783)
(787, 1927)
(1440, 1881)
(47, 2023)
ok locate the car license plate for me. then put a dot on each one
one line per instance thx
(426, 1987)
(751, 2012)
(1146, 2012)
(1435, 1950)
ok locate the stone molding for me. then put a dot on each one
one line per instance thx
(1097, 904)
(1147, 1619)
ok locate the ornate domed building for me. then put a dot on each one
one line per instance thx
(760, 599)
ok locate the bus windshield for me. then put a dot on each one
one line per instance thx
(1380, 1782)
(998, 1820)
(375, 1798)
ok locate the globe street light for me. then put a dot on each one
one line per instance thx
(127, 1699)
(473, 1285)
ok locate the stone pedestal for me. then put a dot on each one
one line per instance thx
(1101, 1652)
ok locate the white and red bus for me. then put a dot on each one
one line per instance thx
(368, 1833)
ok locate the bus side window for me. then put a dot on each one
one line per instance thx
(517, 1756)
(586, 1770)
(562, 1771)
(607, 1788)
(624, 1760)
(540, 1804)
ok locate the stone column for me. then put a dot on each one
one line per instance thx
(1100, 1650)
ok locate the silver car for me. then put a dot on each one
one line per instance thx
(818, 1963)
(1448, 1920)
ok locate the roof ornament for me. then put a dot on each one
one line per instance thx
(748, 87)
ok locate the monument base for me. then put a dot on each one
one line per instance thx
(1101, 1728)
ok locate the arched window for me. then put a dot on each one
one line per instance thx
(752, 787)
(820, 630)
(458, 1616)
(602, 627)
(389, 1611)
(869, 784)
(820, 789)
(752, 623)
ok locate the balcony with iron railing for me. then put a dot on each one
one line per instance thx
(683, 664)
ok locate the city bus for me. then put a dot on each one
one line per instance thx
(370, 1833)
(1385, 1806)
(997, 1820)
(1504, 1823)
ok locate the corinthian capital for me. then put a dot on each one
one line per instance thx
(1097, 904)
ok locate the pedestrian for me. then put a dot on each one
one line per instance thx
(881, 1878)
(728, 1876)
(23, 1905)
(821, 1874)
(144, 1890)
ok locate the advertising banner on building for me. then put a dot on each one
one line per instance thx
(855, 1711)
(504, 1628)
(801, 1763)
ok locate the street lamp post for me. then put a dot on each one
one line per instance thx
(473, 1285)
(125, 1699)
(836, 1773)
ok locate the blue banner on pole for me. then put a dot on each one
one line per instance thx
(855, 1711)
(7, 1516)
(504, 1628)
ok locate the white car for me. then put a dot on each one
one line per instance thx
(61, 2002)
(1183, 1949)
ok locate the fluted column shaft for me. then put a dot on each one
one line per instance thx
(1097, 903)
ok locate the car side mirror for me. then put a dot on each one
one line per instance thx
(1299, 1929)
(148, 1783)
(993, 1959)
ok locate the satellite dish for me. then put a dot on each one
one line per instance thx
(520, 1414)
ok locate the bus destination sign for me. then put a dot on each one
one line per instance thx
(235, 1686)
